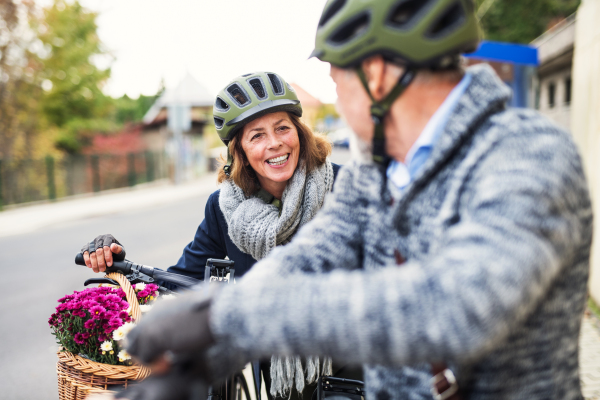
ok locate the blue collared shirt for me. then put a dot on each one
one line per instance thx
(401, 174)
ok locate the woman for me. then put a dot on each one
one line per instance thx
(274, 181)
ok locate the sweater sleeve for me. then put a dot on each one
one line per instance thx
(524, 214)
(208, 243)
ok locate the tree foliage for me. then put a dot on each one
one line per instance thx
(521, 21)
(19, 79)
(73, 101)
(127, 110)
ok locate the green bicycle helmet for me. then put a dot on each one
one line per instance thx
(413, 33)
(418, 33)
(249, 97)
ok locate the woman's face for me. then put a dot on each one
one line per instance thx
(272, 148)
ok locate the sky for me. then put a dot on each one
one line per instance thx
(214, 40)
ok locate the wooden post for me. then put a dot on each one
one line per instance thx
(149, 166)
(131, 169)
(51, 178)
(1, 187)
(95, 163)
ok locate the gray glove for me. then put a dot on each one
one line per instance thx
(101, 241)
(177, 326)
(179, 331)
(177, 385)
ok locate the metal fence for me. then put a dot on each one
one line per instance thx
(50, 178)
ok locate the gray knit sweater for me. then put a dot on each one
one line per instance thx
(495, 230)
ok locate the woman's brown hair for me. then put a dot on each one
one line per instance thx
(314, 150)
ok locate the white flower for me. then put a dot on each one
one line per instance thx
(168, 296)
(127, 326)
(122, 331)
(145, 308)
(140, 286)
(106, 346)
(123, 355)
(118, 334)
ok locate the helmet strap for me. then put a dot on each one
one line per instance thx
(379, 110)
(227, 166)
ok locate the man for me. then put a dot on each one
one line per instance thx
(461, 250)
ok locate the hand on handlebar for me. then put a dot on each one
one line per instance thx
(100, 252)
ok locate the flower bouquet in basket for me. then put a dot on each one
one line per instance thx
(90, 326)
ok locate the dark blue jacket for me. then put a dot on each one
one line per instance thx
(212, 241)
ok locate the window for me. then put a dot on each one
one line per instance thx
(568, 90)
(551, 94)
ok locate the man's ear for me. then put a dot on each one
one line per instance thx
(374, 69)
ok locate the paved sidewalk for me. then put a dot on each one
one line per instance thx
(589, 357)
(30, 218)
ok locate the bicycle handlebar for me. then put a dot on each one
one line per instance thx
(127, 267)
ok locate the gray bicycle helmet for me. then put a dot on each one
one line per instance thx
(249, 97)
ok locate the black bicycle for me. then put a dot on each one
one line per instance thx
(216, 271)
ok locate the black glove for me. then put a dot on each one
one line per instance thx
(178, 326)
(101, 241)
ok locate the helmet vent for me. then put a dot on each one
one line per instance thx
(331, 11)
(237, 94)
(259, 89)
(351, 30)
(404, 13)
(219, 122)
(276, 84)
(221, 105)
(450, 20)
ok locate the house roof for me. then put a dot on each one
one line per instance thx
(189, 92)
(306, 99)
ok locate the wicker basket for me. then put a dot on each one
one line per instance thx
(78, 377)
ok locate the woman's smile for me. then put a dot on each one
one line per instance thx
(278, 161)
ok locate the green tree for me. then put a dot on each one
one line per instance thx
(127, 109)
(19, 79)
(132, 110)
(73, 101)
(521, 21)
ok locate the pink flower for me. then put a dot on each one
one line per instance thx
(79, 338)
(90, 324)
(97, 312)
(109, 315)
(115, 323)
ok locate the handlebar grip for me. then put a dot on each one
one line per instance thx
(79, 259)
(118, 266)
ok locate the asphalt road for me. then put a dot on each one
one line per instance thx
(37, 269)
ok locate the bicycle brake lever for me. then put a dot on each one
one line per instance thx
(92, 281)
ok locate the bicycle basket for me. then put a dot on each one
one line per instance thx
(78, 376)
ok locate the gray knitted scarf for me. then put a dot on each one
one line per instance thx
(256, 228)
